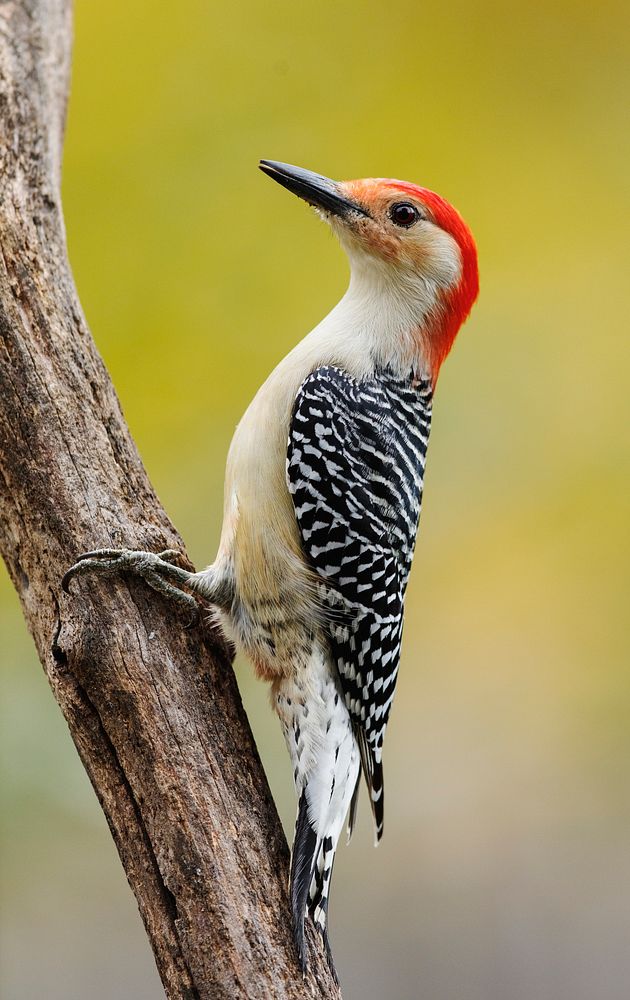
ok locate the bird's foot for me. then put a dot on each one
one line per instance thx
(158, 570)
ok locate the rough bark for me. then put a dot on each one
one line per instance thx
(151, 703)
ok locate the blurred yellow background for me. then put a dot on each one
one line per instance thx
(505, 870)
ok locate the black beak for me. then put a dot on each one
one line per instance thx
(313, 188)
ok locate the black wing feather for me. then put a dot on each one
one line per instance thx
(355, 466)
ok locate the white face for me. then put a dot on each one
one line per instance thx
(391, 221)
(399, 232)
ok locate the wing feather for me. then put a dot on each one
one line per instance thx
(355, 467)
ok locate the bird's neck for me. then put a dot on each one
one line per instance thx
(380, 320)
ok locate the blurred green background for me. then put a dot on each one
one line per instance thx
(505, 870)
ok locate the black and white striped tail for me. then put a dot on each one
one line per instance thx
(326, 781)
(311, 872)
(302, 864)
(319, 895)
(314, 850)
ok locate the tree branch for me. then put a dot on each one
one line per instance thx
(151, 703)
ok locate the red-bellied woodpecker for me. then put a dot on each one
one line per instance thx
(322, 498)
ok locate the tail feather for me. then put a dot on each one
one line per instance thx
(325, 758)
(354, 803)
(373, 771)
(305, 845)
(377, 796)
(319, 896)
(320, 884)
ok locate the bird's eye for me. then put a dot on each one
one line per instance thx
(403, 214)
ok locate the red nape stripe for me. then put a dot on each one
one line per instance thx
(458, 302)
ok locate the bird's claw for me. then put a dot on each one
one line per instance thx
(108, 561)
(158, 570)
(170, 555)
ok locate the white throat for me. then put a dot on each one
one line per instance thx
(379, 321)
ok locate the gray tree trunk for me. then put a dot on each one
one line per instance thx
(151, 704)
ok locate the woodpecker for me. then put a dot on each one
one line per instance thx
(323, 490)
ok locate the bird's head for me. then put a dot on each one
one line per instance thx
(407, 241)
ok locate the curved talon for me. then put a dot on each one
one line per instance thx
(98, 558)
(102, 554)
(168, 555)
(157, 570)
(163, 586)
(83, 565)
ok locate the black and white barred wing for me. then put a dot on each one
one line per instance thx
(355, 466)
